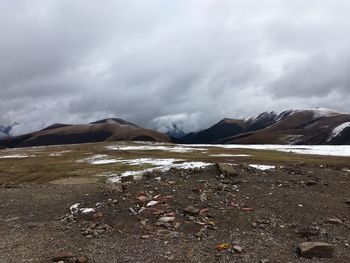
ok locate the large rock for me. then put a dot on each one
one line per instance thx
(61, 256)
(82, 259)
(191, 210)
(334, 221)
(315, 250)
(228, 170)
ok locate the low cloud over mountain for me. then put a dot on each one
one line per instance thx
(151, 62)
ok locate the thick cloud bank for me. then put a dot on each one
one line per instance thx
(155, 62)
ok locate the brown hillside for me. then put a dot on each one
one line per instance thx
(72, 134)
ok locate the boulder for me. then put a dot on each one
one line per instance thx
(191, 210)
(334, 221)
(82, 259)
(62, 256)
(228, 170)
(315, 250)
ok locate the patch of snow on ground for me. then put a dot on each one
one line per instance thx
(338, 130)
(177, 149)
(99, 159)
(190, 165)
(104, 161)
(156, 162)
(162, 165)
(15, 156)
(262, 167)
(230, 155)
(56, 154)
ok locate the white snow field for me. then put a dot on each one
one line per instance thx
(330, 150)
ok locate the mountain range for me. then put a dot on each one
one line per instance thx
(311, 126)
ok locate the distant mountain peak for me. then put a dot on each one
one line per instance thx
(55, 126)
(175, 131)
(5, 130)
(113, 120)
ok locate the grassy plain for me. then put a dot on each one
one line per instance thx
(45, 164)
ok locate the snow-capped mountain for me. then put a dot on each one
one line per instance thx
(297, 126)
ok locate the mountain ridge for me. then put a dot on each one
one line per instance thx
(310, 126)
(103, 130)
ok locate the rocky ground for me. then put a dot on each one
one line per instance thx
(225, 214)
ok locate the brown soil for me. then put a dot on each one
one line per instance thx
(267, 214)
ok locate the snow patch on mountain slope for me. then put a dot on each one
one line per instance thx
(325, 112)
(338, 130)
(262, 116)
(318, 112)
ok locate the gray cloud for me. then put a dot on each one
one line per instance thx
(155, 62)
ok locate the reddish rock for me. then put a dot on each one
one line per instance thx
(82, 259)
(63, 255)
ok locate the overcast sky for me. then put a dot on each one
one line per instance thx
(152, 62)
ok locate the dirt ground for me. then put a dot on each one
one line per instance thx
(248, 215)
